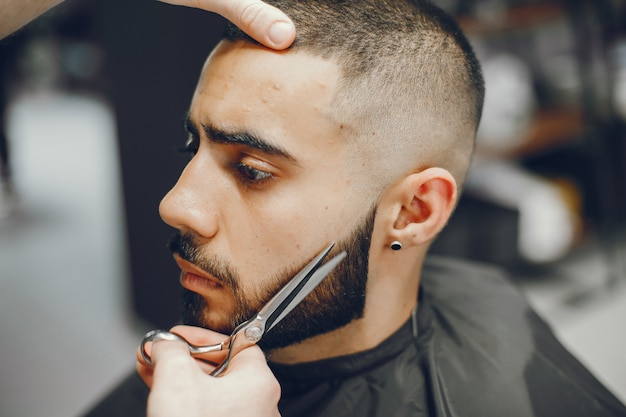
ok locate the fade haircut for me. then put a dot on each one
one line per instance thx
(411, 89)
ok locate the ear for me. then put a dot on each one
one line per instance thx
(422, 205)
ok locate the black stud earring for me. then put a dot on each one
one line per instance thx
(395, 245)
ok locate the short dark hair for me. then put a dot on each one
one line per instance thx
(397, 56)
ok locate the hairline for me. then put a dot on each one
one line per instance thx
(354, 99)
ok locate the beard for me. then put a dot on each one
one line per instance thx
(336, 301)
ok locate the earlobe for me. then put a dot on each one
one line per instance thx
(427, 202)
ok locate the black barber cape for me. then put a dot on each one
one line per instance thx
(473, 348)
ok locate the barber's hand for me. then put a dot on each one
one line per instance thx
(263, 22)
(17, 13)
(180, 385)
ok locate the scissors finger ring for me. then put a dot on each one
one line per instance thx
(158, 335)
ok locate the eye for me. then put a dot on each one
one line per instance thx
(190, 147)
(253, 176)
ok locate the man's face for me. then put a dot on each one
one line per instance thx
(270, 184)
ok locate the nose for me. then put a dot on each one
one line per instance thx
(190, 205)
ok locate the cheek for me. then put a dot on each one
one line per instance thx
(282, 232)
(285, 225)
(280, 227)
(302, 226)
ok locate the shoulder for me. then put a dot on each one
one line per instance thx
(487, 349)
(476, 291)
(448, 269)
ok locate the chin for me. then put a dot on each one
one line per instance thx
(196, 312)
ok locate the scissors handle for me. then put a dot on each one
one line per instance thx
(157, 335)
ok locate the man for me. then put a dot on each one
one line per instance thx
(361, 133)
(172, 390)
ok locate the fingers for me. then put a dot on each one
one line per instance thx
(171, 354)
(198, 335)
(16, 14)
(202, 337)
(180, 386)
(195, 335)
(165, 353)
(250, 357)
(174, 386)
(263, 22)
(145, 372)
(250, 368)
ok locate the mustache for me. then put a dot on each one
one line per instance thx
(184, 245)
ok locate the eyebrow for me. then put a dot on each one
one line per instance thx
(247, 139)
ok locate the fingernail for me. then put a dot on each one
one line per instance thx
(281, 33)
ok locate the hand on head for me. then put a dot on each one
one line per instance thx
(180, 384)
(263, 22)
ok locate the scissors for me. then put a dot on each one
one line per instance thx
(250, 332)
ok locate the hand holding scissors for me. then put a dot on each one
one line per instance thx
(181, 386)
(251, 331)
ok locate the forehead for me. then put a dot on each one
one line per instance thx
(283, 95)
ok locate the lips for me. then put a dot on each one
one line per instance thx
(195, 279)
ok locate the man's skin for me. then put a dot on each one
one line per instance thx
(280, 211)
(180, 385)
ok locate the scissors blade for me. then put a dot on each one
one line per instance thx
(308, 286)
(275, 307)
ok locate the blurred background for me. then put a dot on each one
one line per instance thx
(93, 95)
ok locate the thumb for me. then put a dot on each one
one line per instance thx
(164, 350)
(171, 361)
(249, 368)
(176, 379)
(263, 22)
(251, 357)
